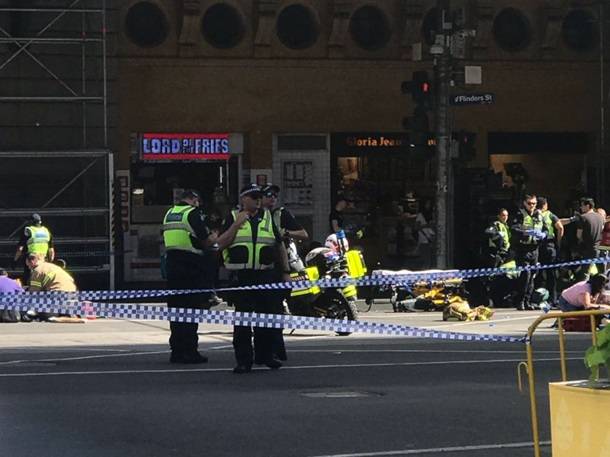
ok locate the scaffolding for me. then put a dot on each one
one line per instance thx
(55, 152)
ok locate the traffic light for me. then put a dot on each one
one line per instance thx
(420, 89)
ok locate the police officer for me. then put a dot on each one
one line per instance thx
(35, 239)
(252, 246)
(549, 247)
(496, 251)
(527, 232)
(290, 230)
(190, 256)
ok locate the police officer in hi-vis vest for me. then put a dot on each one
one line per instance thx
(252, 250)
(190, 258)
(549, 249)
(527, 233)
(35, 239)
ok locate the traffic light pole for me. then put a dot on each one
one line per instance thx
(442, 68)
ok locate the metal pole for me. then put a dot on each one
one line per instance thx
(443, 136)
(104, 74)
(601, 168)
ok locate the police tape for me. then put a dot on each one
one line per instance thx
(366, 281)
(218, 317)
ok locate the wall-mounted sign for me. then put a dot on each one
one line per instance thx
(184, 146)
(472, 99)
(354, 143)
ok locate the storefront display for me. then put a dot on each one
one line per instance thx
(390, 192)
(162, 166)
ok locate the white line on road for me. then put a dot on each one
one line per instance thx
(302, 367)
(481, 447)
(85, 357)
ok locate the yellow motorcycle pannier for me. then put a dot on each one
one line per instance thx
(355, 264)
(309, 274)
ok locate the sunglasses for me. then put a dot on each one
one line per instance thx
(531, 203)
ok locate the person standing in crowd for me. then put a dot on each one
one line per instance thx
(549, 248)
(526, 235)
(35, 239)
(8, 286)
(190, 259)
(253, 251)
(496, 250)
(290, 230)
(590, 227)
(283, 218)
(495, 253)
(335, 218)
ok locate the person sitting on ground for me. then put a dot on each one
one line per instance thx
(45, 277)
(7, 286)
(584, 295)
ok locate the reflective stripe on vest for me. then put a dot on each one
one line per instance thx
(177, 231)
(244, 238)
(530, 223)
(504, 233)
(38, 242)
(548, 224)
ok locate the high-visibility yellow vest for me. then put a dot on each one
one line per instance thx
(38, 242)
(504, 232)
(548, 224)
(529, 223)
(246, 254)
(177, 231)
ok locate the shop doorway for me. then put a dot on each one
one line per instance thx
(390, 193)
(157, 186)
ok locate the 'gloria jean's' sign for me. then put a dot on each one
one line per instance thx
(184, 146)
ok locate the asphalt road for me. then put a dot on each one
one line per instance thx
(76, 392)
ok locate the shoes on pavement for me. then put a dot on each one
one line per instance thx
(274, 364)
(521, 307)
(188, 358)
(241, 369)
(215, 300)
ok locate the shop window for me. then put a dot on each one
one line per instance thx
(430, 26)
(579, 30)
(222, 26)
(297, 27)
(146, 25)
(512, 30)
(369, 28)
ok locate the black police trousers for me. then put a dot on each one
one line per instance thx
(187, 271)
(525, 284)
(258, 301)
(547, 278)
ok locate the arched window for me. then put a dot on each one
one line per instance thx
(146, 25)
(369, 28)
(580, 30)
(297, 27)
(512, 30)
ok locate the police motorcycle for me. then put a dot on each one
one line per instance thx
(332, 261)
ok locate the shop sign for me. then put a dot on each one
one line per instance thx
(368, 142)
(472, 99)
(184, 146)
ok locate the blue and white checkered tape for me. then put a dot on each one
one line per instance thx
(375, 280)
(160, 312)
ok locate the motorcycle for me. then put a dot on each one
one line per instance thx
(329, 302)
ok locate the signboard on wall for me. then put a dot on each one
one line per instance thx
(356, 143)
(184, 146)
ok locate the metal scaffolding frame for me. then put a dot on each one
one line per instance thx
(73, 95)
(83, 91)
